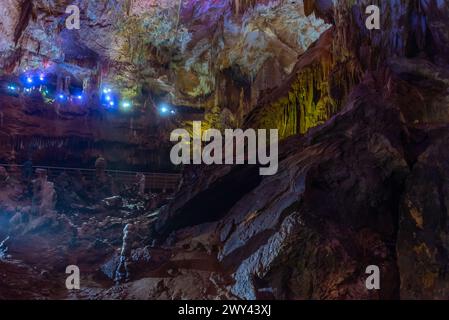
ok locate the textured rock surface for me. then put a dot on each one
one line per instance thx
(191, 52)
(217, 55)
(75, 137)
(363, 167)
(422, 241)
(367, 187)
(332, 209)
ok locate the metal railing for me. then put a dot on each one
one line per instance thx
(153, 181)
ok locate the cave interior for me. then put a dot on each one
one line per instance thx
(92, 90)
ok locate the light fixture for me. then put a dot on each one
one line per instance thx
(163, 108)
(126, 104)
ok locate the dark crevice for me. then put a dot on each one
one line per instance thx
(25, 15)
(214, 203)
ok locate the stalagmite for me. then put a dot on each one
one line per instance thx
(44, 195)
(123, 272)
(4, 248)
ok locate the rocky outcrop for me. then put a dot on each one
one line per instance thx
(325, 74)
(367, 187)
(73, 136)
(189, 50)
(304, 100)
(422, 247)
(214, 56)
(335, 199)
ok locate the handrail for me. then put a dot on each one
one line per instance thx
(154, 179)
(93, 170)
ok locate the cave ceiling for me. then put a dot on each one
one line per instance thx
(180, 53)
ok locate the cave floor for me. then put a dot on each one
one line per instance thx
(39, 251)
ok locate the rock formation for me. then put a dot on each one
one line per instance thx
(362, 117)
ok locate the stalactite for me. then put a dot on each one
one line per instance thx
(318, 90)
(241, 6)
(309, 100)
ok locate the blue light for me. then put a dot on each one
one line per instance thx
(62, 98)
(107, 90)
(12, 87)
(42, 77)
(29, 80)
(111, 103)
(126, 104)
(108, 98)
(164, 109)
(79, 97)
